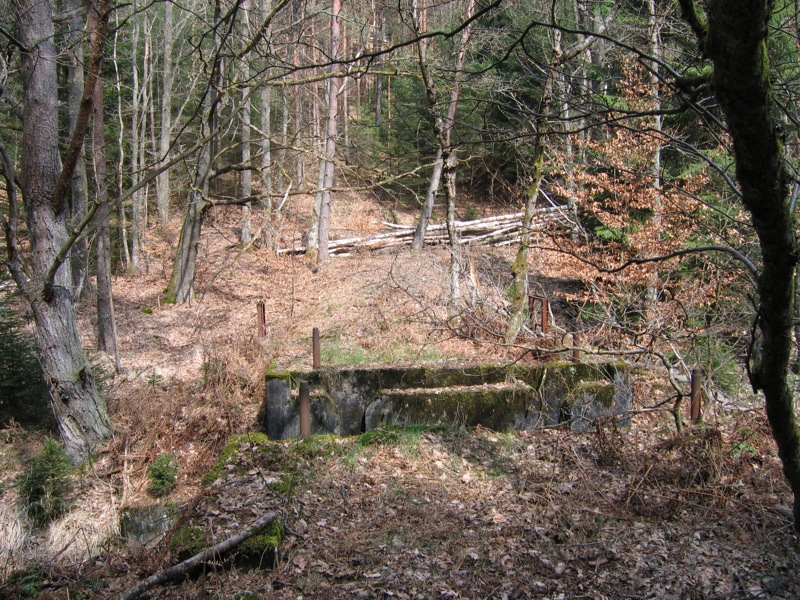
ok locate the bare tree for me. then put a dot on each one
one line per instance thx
(247, 186)
(42, 276)
(322, 202)
(443, 123)
(541, 123)
(79, 192)
(165, 132)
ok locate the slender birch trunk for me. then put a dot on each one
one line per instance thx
(165, 132)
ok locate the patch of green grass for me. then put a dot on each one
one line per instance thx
(155, 380)
(321, 445)
(407, 438)
(45, 484)
(264, 542)
(336, 351)
(390, 435)
(285, 486)
(27, 583)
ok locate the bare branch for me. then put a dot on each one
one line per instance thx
(198, 559)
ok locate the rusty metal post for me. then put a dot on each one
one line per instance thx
(576, 353)
(315, 360)
(305, 410)
(545, 314)
(262, 319)
(697, 393)
(544, 323)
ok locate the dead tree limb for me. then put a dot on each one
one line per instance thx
(198, 559)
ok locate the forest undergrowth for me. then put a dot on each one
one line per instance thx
(611, 512)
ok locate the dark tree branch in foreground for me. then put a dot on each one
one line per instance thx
(751, 268)
(735, 40)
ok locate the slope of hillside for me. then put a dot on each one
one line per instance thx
(467, 514)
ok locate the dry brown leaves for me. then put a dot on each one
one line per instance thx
(555, 514)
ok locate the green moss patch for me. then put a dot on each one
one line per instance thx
(189, 541)
(231, 452)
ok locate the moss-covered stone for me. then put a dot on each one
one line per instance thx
(491, 406)
(601, 392)
(348, 401)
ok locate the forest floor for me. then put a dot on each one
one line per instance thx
(639, 512)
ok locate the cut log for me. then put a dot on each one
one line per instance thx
(491, 231)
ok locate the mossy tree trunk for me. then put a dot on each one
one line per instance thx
(735, 40)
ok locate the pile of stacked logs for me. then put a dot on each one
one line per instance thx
(500, 230)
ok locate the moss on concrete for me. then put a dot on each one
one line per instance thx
(601, 392)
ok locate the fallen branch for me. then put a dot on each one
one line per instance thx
(198, 559)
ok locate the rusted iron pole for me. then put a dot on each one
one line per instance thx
(305, 410)
(545, 314)
(544, 323)
(315, 360)
(697, 393)
(576, 352)
(262, 319)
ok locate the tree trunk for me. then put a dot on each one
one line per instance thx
(655, 168)
(735, 40)
(443, 124)
(79, 198)
(137, 204)
(519, 269)
(449, 174)
(430, 200)
(122, 220)
(181, 283)
(266, 147)
(266, 161)
(519, 285)
(247, 176)
(331, 132)
(106, 324)
(79, 410)
(299, 166)
(165, 134)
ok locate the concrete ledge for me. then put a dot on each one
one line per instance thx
(349, 401)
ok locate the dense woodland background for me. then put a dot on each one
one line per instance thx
(186, 159)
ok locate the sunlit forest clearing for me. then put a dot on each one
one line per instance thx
(194, 195)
